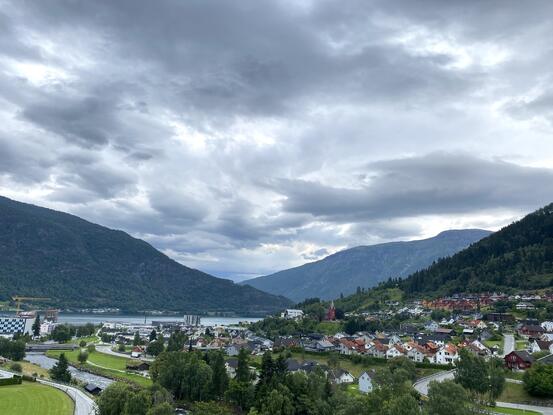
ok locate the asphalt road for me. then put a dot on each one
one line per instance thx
(83, 404)
(421, 386)
(508, 344)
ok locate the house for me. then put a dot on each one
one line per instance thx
(447, 355)
(524, 306)
(500, 317)
(417, 353)
(518, 360)
(231, 365)
(365, 383)
(292, 314)
(341, 376)
(431, 326)
(547, 326)
(92, 389)
(136, 352)
(139, 366)
(395, 351)
(541, 346)
(531, 331)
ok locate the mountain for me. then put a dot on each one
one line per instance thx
(45, 253)
(364, 266)
(519, 256)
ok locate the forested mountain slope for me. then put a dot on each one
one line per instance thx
(46, 253)
(518, 256)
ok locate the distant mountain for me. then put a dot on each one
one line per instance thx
(364, 266)
(519, 256)
(45, 253)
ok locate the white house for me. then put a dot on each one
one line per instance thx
(547, 326)
(447, 355)
(394, 351)
(292, 314)
(416, 354)
(341, 376)
(365, 383)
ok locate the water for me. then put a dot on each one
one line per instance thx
(79, 319)
(48, 363)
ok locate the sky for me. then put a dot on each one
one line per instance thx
(246, 137)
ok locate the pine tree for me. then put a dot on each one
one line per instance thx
(243, 369)
(137, 341)
(220, 378)
(36, 326)
(60, 371)
(153, 335)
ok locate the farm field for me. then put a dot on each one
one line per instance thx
(33, 398)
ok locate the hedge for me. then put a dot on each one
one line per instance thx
(16, 380)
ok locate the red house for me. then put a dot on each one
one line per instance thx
(518, 360)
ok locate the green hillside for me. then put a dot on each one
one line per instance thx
(79, 264)
(518, 256)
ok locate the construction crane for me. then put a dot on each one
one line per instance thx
(18, 300)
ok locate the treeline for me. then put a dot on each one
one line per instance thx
(12, 349)
(518, 256)
(65, 332)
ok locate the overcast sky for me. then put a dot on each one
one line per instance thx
(245, 137)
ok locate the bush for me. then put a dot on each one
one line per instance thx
(16, 367)
(29, 378)
(91, 348)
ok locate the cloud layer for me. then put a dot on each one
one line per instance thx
(246, 137)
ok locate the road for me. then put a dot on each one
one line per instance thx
(421, 386)
(83, 404)
(102, 348)
(508, 344)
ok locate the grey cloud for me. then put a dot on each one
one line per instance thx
(433, 184)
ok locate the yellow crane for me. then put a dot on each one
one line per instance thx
(18, 300)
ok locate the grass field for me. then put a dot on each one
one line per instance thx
(32, 399)
(515, 393)
(492, 343)
(521, 344)
(111, 366)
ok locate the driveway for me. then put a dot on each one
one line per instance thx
(83, 404)
(508, 344)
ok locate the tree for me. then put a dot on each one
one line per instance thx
(60, 371)
(240, 393)
(538, 380)
(12, 349)
(176, 341)
(138, 403)
(153, 335)
(162, 409)
(210, 408)
(82, 343)
(61, 333)
(447, 398)
(36, 326)
(277, 402)
(137, 341)
(220, 377)
(243, 367)
(82, 356)
(113, 399)
(121, 347)
(156, 347)
(472, 372)
(496, 376)
(403, 405)
(91, 348)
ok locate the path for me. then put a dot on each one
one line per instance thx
(83, 404)
(541, 409)
(508, 344)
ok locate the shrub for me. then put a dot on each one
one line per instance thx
(16, 367)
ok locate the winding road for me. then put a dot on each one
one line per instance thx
(421, 386)
(83, 404)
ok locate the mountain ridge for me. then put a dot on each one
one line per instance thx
(47, 253)
(324, 278)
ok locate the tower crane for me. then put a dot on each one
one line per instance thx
(18, 300)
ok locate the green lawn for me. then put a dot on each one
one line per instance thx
(521, 344)
(112, 366)
(492, 343)
(32, 399)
